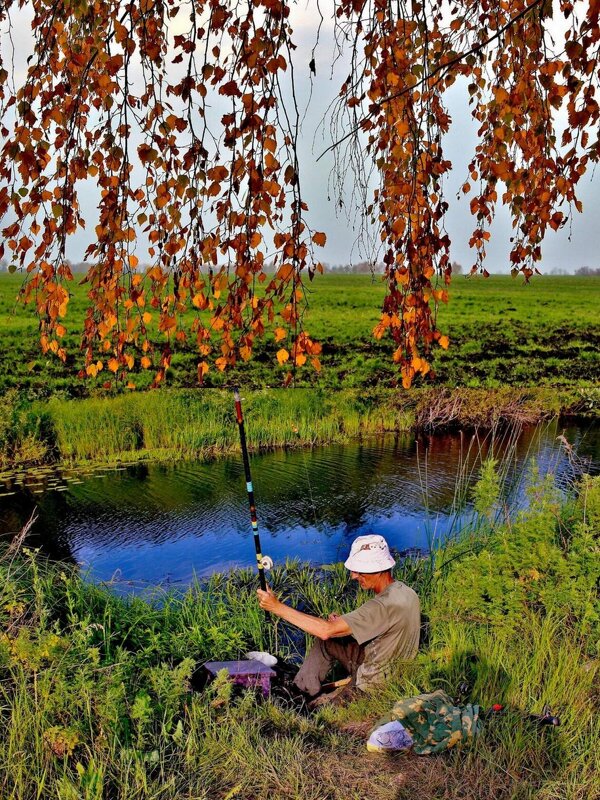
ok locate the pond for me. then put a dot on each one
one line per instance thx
(150, 524)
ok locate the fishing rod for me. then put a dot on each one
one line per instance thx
(262, 562)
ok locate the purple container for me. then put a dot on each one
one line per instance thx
(249, 674)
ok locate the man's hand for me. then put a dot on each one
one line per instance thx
(268, 600)
(323, 628)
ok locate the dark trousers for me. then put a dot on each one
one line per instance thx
(320, 658)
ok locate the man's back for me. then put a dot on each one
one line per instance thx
(388, 625)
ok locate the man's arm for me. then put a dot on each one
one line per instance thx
(321, 628)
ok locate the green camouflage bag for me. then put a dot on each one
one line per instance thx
(434, 722)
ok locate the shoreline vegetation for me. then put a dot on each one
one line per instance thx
(172, 424)
(99, 698)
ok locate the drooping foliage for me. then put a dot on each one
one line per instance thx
(184, 115)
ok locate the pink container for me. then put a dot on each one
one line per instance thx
(249, 674)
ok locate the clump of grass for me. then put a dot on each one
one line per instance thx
(20, 432)
(201, 423)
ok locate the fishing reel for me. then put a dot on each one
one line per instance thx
(266, 563)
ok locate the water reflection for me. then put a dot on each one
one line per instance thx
(165, 522)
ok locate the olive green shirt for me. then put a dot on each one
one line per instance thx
(388, 625)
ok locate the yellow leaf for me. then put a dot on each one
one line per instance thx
(280, 333)
(202, 369)
(145, 362)
(407, 376)
(316, 364)
(282, 355)
(444, 342)
(113, 364)
(300, 359)
(147, 317)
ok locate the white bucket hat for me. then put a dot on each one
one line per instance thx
(369, 554)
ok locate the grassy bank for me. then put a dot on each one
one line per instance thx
(200, 423)
(96, 698)
(502, 333)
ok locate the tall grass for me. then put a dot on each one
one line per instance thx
(95, 689)
(199, 423)
(182, 423)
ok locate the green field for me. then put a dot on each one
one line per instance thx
(502, 332)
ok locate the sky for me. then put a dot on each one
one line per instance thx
(573, 247)
(568, 249)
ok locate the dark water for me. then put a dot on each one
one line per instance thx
(163, 523)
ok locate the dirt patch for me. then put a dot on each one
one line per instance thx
(467, 775)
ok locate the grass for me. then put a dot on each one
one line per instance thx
(96, 694)
(182, 423)
(502, 332)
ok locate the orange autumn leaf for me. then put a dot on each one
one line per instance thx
(282, 355)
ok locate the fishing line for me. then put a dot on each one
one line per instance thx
(309, 485)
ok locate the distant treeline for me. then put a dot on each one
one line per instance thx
(361, 268)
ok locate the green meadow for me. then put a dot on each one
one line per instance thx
(517, 353)
(502, 332)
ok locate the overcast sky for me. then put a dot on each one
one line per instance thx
(567, 249)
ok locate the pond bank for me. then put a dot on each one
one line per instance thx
(96, 689)
(199, 424)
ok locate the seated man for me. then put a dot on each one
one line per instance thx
(365, 640)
